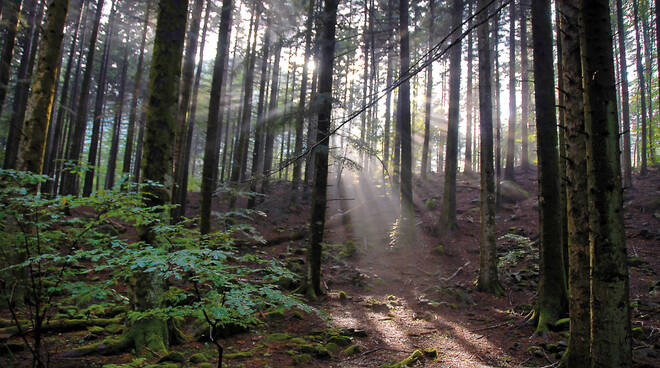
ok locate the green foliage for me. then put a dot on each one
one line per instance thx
(56, 248)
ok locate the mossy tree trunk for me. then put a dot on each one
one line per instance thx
(407, 220)
(152, 332)
(137, 82)
(578, 354)
(488, 280)
(71, 180)
(215, 117)
(42, 89)
(511, 135)
(324, 98)
(10, 10)
(448, 214)
(611, 344)
(552, 294)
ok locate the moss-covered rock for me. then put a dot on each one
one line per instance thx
(300, 359)
(114, 328)
(340, 340)
(276, 315)
(278, 336)
(413, 358)
(198, 358)
(430, 353)
(332, 347)
(348, 250)
(205, 365)
(317, 350)
(352, 350)
(297, 340)
(173, 356)
(238, 355)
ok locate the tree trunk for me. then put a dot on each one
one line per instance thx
(524, 90)
(448, 214)
(257, 153)
(642, 89)
(214, 118)
(625, 104)
(610, 304)
(29, 41)
(390, 72)
(488, 280)
(317, 222)
(552, 297)
(469, 102)
(71, 180)
(132, 116)
(99, 105)
(578, 354)
(648, 86)
(54, 147)
(116, 129)
(156, 165)
(407, 220)
(39, 107)
(10, 22)
(182, 117)
(272, 117)
(511, 136)
(429, 98)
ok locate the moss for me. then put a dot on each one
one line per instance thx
(150, 333)
(96, 330)
(114, 328)
(298, 315)
(173, 356)
(317, 350)
(638, 333)
(562, 324)
(430, 204)
(332, 347)
(376, 305)
(300, 359)
(278, 336)
(205, 365)
(349, 249)
(352, 350)
(198, 358)
(276, 315)
(430, 353)
(413, 358)
(340, 340)
(342, 296)
(439, 250)
(239, 355)
(297, 340)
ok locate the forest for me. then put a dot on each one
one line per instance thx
(326, 183)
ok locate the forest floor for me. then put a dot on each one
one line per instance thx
(383, 302)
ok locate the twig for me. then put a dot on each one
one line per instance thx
(493, 326)
(455, 273)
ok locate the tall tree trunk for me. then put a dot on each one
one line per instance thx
(524, 89)
(488, 280)
(511, 136)
(448, 214)
(649, 85)
(185, 161)
(407, 220)
(257, 153)
(642, 88)
(182, 117)
(116, 129)
(137, 81)
(657, 52)
(272, 117)
(214, 118)
(469, 102)
(498, 114)
(160, 128)
(138, 148)
(99, 105)
(39, 107)
(243, 132)
(578, 354)
(54, 147)
(33, 11)
(610, 304)
(71, 180)
(10, 22)
(390, 72)
(552, 297)
(429, 97)
(625, 105)
(317, 222)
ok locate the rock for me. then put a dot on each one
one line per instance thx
(413, 358)
(173, 356)
(278, 336)
(300, 359)
(352, 350)
(512, 192)
(238, 355)
(430, 353)
(198, 358)
(317, 350)
(340, 340)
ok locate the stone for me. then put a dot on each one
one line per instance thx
(512, 192)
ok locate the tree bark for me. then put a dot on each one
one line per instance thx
(317, 222)
(642, 89)
(71, 180)
(469, 104)
(552, 297)
(42, 89)
(407, 220)
(272, 117)
(10, 22)
(448, 214)
(524, 89)
(429, 97)
(116, 128)
(214, 118)
(625, 104)
(511, 136)
(610, 308)
(488, 280)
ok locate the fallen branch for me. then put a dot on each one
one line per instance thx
(455, 273)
